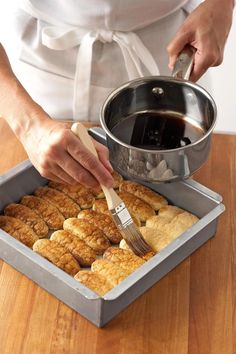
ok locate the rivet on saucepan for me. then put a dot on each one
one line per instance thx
(158, 91)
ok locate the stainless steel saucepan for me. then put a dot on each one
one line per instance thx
(159, 128)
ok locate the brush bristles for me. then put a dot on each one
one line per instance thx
(129, 231)
(135, 240)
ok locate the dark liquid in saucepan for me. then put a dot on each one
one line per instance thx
(157, 131)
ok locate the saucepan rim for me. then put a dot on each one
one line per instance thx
(147, 79)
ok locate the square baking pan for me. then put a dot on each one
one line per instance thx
(189, 195)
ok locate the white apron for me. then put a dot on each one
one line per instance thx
(69, 55)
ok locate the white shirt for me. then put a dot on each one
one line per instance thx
(70, 55)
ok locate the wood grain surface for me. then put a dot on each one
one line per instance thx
(192, 310)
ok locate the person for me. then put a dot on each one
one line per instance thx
(60, 59)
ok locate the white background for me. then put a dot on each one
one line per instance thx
(223, 86)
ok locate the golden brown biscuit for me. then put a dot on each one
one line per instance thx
(80, 194)
(157, 222)
(77, 247)
(94, 281)
(148, 255)
(161, 230)
(100, 205)
(103, 222)
(87, 232)
(169, 211)
(18, 229)
(155, 238)
(98, 193)
(124, 258)
(57, 254)
(111, 271)
(155, 200)
(48, 212)
(123, 245)
(117, 179)
(29, 217)
(140, 209)
(180, 224)
(61, 201)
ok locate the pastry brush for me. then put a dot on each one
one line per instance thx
(120, 213)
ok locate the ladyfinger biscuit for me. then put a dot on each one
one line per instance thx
(78, 248)
(117, 179)
(100, 205)
(155, 200)
(94, 281)
(80, 194)
(124, 258)
(157, 222)
(180, 224)
(155, 238)
(123, 245)
(139, 208)
(87, 232)
(98, 193)
(57, 254)
(61, 201)
(111, 271)
(170, 211)
(29, 217)
(18, 229)
(47, 211)
(103, 222)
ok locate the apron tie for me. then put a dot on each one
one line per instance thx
(133, 50)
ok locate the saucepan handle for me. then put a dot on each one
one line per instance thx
(184, 63)
(98, 134)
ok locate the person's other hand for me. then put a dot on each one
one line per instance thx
(206, 29)
(59, 155)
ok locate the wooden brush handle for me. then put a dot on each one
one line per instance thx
(81, 132)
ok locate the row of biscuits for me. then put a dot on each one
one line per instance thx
(82, 235)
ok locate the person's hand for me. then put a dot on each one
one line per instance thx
(59, 155)
(55, 151)
(206, 29)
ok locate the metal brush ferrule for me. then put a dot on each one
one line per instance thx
(121, 215)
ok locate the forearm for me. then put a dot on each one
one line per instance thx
(16, 106)
(220, 15)
(223, 4)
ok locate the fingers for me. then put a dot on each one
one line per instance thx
(58, 154)
(103, 154)
(206, 29)
(203, 60)
(90, 163)
(61, 167)
(56, 178)
(77, 172)
(177, 45)
(205, 56)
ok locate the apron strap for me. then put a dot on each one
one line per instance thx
(63, 37)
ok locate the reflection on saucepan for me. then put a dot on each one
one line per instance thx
(148, 169)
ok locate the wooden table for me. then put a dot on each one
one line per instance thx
(191, 310)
